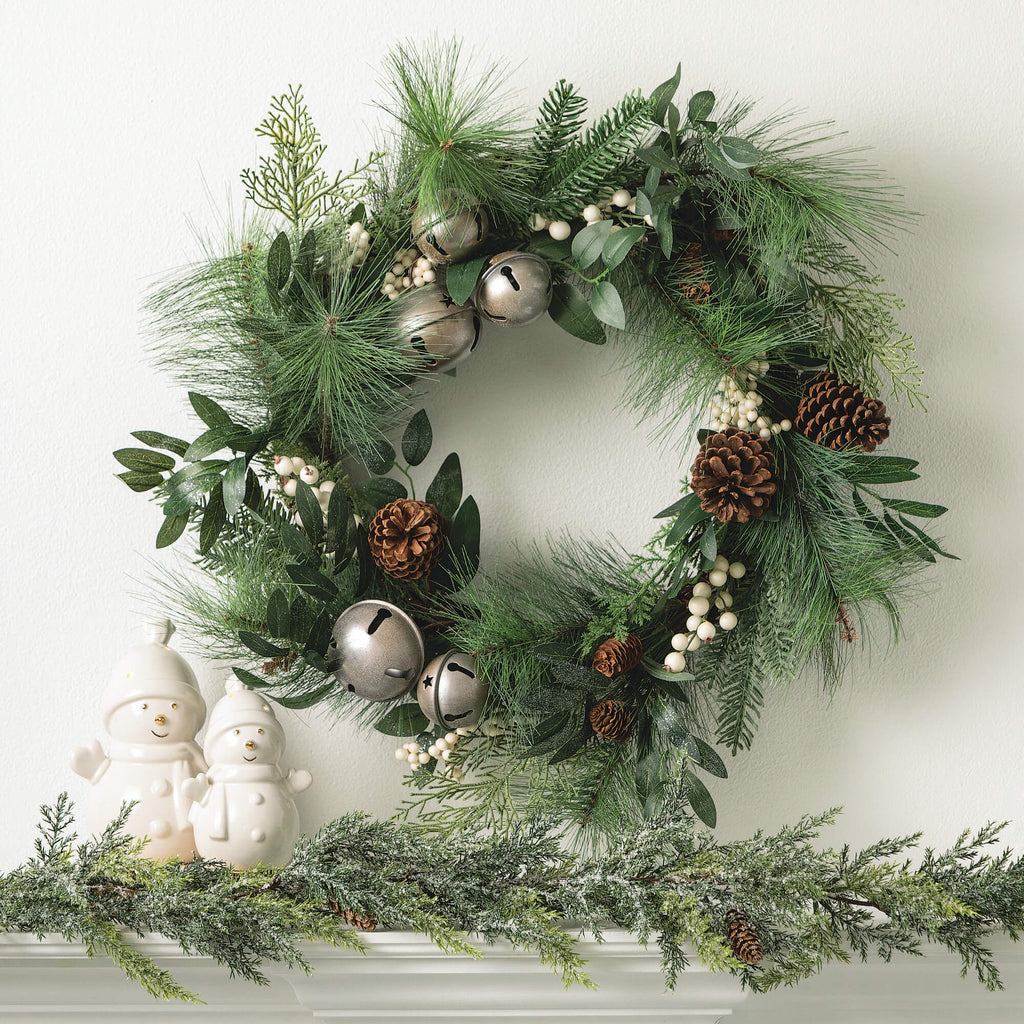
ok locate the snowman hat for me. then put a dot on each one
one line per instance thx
(153, 671)
(239, 707)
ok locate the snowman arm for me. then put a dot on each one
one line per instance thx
(89, 762)
(298, 779)
(195, 789)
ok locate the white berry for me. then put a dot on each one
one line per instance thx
(737, 570)
(698, 605)
(727, 620)
(297, 464)
(327, 486)
(786, 425)
(679, 642)
(718, 577)
(675, 661)
(693, 622)
(620, 197)
(433, 750)
(706, 631)
(702, 589)
(290, 487)
(539, 223)
(413, 759)
(400, 755)
(721, 562)
(591, 213)
(309, 475)
(694, 644)
(283, 465)
(560, 230)
(451, 738)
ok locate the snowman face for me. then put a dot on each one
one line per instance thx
(154, 720)
(246, 744)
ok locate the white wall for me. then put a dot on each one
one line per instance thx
(117, 117)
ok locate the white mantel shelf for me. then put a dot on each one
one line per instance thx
(404, 978)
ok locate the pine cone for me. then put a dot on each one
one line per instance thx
(362, 922)
(746, 946)
(837, 414)
(696, 286)
(406, 539)
(734, 475)
(614, 657)
(611, 719)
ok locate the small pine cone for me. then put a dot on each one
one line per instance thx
(695, 284)
(611, 719)
(837, 414)
(406, 539)
(614, 657)
(734, 475)
(361, 922)
(746, 946)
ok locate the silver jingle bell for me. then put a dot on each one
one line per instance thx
(376, 650)
(440, 331)
(453, 231)
(450, 692)
(514, 289)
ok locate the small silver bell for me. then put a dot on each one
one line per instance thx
(453, 231)
(514, 289)
(450, 692)
(440, 331)
(376, 650)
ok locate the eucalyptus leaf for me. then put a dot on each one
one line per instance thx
(588, 243)
(279, 262)
(573, 747)
(170, 530)
(156, 439)
(339, 510)
(662, 674)
(142, 460)
(739, 152)
(251, 680)
(379, 459)
(570, 310)
(224, 435)
(310, 512)
(402, 720)
(279, 614)
(234, 485)
(460, 278)
(709, 759)
(306, 700)
(678, 507)
(417, 439)
(258, 645)
(920, 509)
(657, 157)
(718, 160)
(208, 410)
(670, 723)
(709, 542)
(214, 518)
(929, 542)
(313, 582)
(140, 482)
(700, 799)
(295, 541)
(607, 305)
(617, 247)
(861, 468)
(378, 491)
(661, 97)
(460, 559)
(700, 106)
(445, 490)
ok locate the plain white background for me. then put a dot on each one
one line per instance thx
(117, 120)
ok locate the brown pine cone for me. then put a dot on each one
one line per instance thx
(611, 719)
(362, 922)
(406, 538)
(746, 946)
(837, 414)
(614, 657)
(734, 475)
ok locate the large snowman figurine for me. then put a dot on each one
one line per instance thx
(244, 812)
(152, 711)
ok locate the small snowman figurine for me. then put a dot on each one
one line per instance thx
(244, 812)
(152, 711)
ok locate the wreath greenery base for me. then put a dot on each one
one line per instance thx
(666, 882)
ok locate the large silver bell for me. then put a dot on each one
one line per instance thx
(376, 650)
(440, 331)
(451, 692)
(450, 231)
(514, 289)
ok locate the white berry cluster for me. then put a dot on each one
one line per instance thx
(411, 270)
(291, 468)
(611, 202)
(739, 406)
(359, 242)
(442, 749)
(707, 594)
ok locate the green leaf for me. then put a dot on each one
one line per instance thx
(251, 679)
(279, 262)
(550, 248)
(380, 459)
(142, 460)
(588, 243)
(607, 305)
(718, 160)
(671, 724)
(657, 158)
(300, 620)
(320, 633)
(670, 688)
(155, 439)
(673, 125)
(214, 517)
(709, 759)
(662, 96)
(257, 644)
(338, 512)
(915, 508)
(700, 799)
(460, 278)
(279, 614)
(554, 733)
(305, 700)
(929, 542)
(739, 152)
(171, 529)
(461, 557)
(663, 226)
(306, 256)
(315, 583)
(378, 491)
(618, 245)
(687, 501)
(567, 670)
(189, 484)
(878, 469)
(417, 439)
(310, 512)
(700, 106)
(295, 541)
(570, 310)
(573, 747)
(234, 484)
(686, 520)
(140, 481)
(208, 410)
(402, 720)
(224, 435)
(662, 674)
(709, 542)
(445, 490)
(548, 728)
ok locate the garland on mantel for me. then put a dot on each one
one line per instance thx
(772, 909)
(729, 259)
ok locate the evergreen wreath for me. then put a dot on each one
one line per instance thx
(729, 260)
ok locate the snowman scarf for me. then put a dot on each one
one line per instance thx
(222, 776)
(185, 761)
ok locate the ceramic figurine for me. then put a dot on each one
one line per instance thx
(244, 812)
(152, 711)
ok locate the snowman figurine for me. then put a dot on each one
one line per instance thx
(243, 811)
(152, 711)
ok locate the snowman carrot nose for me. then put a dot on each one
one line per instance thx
(160, 720)
(250, 745)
